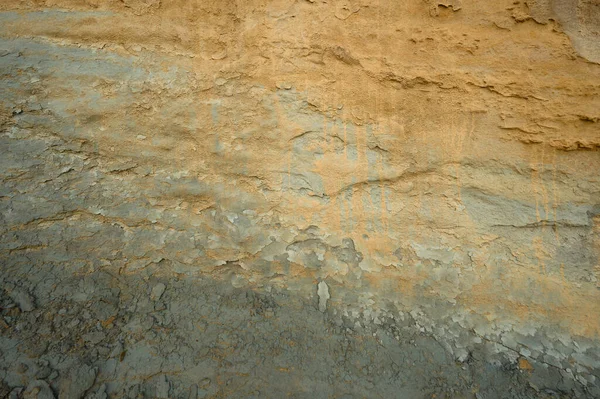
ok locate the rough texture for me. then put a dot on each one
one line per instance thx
(310, 198)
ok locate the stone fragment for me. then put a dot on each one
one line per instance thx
(193, 392)
(43, 372)
(38, 389)
(23, 299)
(205, 382)
(99, 394)
(15, 393)
(157, 291)
(77, 381)
(162, 387)
(94, 338)
(323, 293)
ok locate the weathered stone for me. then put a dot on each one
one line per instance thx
(23, 299)
(77, 380)
(99, 394)
(323, 294)
(38, 389)
(433, 163)
(157, 291)
(162, 387)
(193, 393)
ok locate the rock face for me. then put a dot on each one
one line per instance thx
(176, 178)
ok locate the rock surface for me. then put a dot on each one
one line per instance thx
(176, 178)
(323, 294)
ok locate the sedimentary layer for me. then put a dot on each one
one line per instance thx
(423, 169)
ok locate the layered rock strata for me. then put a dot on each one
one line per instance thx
(422, 170)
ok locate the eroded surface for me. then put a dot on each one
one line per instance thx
(424, 171)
